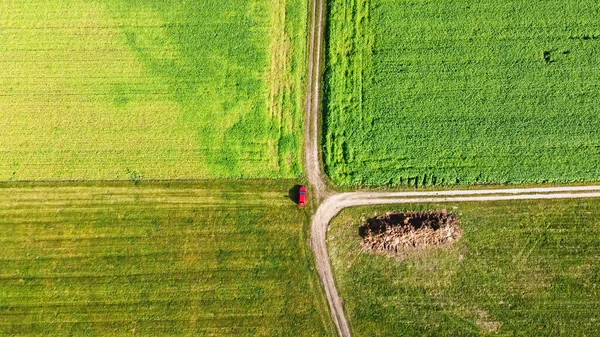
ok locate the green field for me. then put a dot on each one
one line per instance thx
(423, 92)
(210, 259)
(115, 89)
(527, 268)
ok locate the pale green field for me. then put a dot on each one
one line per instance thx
(159, 90)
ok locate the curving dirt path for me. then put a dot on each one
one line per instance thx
(332, 203)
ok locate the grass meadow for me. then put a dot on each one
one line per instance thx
(210, 259)
(462, 92)
(117, 90)
(526, 268)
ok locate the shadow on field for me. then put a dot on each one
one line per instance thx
(293, 193)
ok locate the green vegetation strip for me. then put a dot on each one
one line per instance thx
(211, 259)
(117, 90)
(462, 92)
(522, 268)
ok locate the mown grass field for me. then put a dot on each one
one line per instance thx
(111, 89)
(210, 259)
(462, 92)
(527, 268)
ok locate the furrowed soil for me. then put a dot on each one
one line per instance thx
(521, 268)
(461, 92)
(118, 90)
(204, 259)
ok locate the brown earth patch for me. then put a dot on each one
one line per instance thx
(398, 232)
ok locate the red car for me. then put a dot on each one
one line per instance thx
(302, 196)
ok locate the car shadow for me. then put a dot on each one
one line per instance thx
(293, 193)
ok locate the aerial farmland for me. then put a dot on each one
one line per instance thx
(105, 105)
(195, 259)
(522, 268)
(462, 92)
(190, 168)
(425, 94)
(113, 90)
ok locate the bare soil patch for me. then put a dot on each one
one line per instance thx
(398, 232)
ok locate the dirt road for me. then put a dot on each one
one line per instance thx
(314, 170)
(332, 204)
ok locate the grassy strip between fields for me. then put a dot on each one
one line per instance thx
(202, 259)
(527, 268)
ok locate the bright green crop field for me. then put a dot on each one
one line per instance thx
(116, 90)
(440, 92)
(210, 259)
(526, 268)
